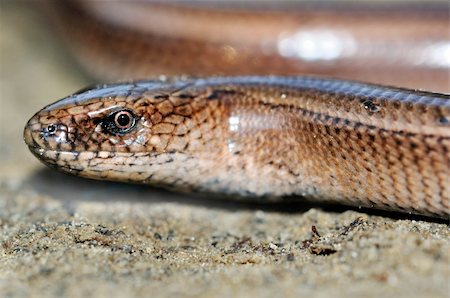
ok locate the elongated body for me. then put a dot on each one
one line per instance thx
(396, 43)
(322, 139)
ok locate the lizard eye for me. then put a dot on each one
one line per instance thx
(119, 123)
(123, 119)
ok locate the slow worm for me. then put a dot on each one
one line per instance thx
(322, 139)
(267, 136)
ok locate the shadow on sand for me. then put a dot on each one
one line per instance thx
(71, 189)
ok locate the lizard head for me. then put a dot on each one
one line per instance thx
(110, 131)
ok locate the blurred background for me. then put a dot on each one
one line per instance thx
(400, 43)
(62, 236)
(35, 69)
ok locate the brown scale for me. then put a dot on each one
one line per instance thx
(400, 45)
(261, 137)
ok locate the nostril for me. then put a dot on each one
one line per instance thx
(51, 128)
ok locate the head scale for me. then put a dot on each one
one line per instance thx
(116, 131)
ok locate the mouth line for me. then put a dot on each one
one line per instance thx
(41, 155)
(39, 152)
(36, 149)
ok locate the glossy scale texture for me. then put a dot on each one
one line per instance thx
(321, 139)
(395, 43)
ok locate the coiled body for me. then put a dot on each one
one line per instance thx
(395, 43)
(321, 139)
(263, 136)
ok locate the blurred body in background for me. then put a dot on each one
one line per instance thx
(398, 43)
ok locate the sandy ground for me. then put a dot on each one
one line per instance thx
(65, 236)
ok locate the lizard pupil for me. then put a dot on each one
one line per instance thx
(123, 120)
(119, 123)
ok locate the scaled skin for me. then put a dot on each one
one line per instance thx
(397, 43)
(322, 139)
